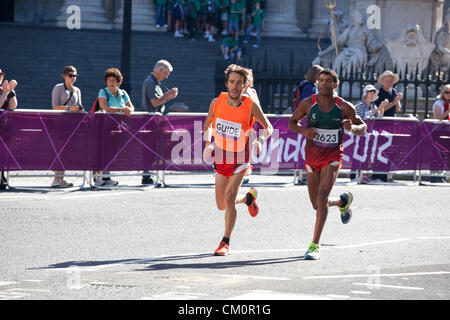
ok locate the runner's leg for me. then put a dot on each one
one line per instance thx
(328, 177)
(221, 184)
(313, 187)
(230, 195)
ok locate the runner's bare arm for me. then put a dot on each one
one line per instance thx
(207, 125)
(302, 111)
(262, 118)
(352, 122)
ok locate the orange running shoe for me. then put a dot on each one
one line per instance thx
(222, 250)
(251, 202)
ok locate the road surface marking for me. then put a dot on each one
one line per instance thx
(376, 286)
(343, 276)
(372, 243)
(270, 295)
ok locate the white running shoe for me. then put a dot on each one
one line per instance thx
(313, 252)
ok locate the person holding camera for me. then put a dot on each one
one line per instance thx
(66, 97)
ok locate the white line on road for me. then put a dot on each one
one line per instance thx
(30, 290)
(376, 286)
(432, 238)
(343, 276)
(371, 243)
(361, 292)
(4, 283)
(250, 277)
(271, 295)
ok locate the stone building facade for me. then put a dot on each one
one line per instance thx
(285, 18)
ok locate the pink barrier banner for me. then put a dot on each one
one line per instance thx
(71, 141)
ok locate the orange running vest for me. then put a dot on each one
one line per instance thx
(232, 125)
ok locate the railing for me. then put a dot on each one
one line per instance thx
(51, 140)
(275, 81)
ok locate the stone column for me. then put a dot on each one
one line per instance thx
(304, 13)
(92, 14)
(143, 16)
(281, 19)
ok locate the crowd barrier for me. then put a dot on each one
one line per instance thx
(54, 140)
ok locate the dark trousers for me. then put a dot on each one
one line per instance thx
(3, 181)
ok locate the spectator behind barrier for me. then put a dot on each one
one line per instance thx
(366, 107)
(155, 96)
(66, 97)
(258, 15)
(387, 80)
(441, 111)
(307, 87)
(112, 99)
(8, 101)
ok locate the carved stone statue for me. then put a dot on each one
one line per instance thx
(440, 57)
(355, 44)
(411, 49)
(339, 25)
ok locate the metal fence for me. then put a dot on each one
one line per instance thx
(276, 80)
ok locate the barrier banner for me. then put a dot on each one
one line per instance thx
(114, 142)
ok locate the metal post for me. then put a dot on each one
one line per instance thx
(125, 64)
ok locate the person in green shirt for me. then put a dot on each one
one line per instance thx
(233, 21)
(178, 15)
(191, 10)
(230, 47)
(224, 11)
(243, 16)
(258, 16)
(161, 12)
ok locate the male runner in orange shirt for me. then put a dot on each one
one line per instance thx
(230, 119)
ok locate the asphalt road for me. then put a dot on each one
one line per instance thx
(157, 243)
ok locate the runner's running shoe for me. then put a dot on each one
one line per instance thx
(313, 252)
(251, 202)
(346, 212)
(222, 250)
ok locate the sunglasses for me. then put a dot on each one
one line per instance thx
(446, 92)
(72, 75)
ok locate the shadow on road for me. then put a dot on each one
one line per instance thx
(217, 263)
(161, 263)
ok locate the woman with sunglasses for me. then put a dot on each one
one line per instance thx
(66, 97)
(441, 109)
